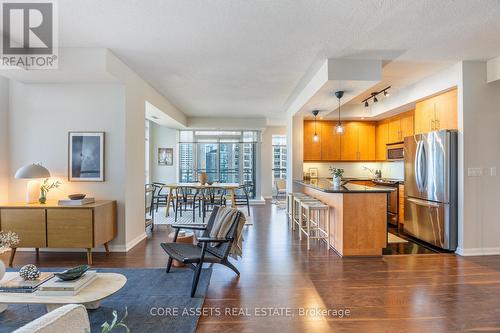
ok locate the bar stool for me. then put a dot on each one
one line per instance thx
(297, 210)
(312, 227)
(290, 204)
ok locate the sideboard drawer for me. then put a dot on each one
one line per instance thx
(29, 224)
(69, 228)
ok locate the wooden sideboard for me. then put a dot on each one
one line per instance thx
(53, 226)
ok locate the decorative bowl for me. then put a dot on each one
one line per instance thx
(78, 196)
(210, 183)
(72, 273)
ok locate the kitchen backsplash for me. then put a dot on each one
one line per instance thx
(356, 169)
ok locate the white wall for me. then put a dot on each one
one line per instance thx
(4, 139)
(267, 159)
(162, 137)
(137, 93)
(479, 226)
(355, 169)
(40, 117)
(294, 151)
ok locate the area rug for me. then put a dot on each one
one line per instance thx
(147, 293)
(187, 218)
(391, 238)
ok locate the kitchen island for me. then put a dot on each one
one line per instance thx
(358, 215)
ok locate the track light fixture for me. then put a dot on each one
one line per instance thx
(315, 136)
(374, 95)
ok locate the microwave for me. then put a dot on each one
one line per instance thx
(395, 152)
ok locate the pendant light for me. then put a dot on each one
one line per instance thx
(339, 128)
(315, 137)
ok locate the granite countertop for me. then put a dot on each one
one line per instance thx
(325, 185)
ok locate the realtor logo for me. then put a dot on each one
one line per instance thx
(29, 38)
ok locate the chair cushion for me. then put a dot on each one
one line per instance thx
(68, 318)
(187, 253)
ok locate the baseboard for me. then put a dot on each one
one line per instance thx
(478, 251)
(254, 202)
(130, 245)
(112, 248)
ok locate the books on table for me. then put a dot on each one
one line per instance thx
(17, 284)
(58, 287)
(81, 202)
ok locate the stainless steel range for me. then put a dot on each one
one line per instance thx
(392, 198)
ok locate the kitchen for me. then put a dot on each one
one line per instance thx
(395, 152)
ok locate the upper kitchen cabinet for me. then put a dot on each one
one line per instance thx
(437, 113)
(331, 141)
(312, 149)
(358, 141)
(400, 127)
(381, 140)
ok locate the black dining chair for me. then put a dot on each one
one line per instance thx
(242, 196)
(213, 197)
(158, 196)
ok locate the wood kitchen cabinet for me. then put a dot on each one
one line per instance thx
(366, 141)
(401, 207)
(330, 141)
(312, 149)
(400, 127)
(381, 140)
(358, 141)
(437, 113)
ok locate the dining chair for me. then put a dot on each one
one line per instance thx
(242, 195)
(158, 196)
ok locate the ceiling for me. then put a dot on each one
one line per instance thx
(240, 57)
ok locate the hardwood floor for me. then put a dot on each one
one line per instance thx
(401, 293)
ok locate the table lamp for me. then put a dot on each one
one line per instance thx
(34, 172)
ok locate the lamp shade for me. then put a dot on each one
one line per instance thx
(32, 171)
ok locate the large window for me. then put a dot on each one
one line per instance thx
(279, 157)
(226, 156)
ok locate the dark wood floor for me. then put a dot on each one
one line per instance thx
(404, 293)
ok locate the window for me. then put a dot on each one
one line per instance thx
(279, 157)
(226, 156)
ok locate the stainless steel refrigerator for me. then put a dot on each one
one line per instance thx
(430, 162)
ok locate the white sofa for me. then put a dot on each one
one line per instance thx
(68, 318)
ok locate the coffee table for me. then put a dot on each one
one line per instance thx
(106, 284)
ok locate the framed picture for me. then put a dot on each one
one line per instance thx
(166, 156)
(86, 156)
(313, 172)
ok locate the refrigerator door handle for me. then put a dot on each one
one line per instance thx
(418, 166)
(423, 166)
(424, 203)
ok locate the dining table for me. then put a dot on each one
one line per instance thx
(230, 187)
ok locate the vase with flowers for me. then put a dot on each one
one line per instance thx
(337, 174)
(45, 188)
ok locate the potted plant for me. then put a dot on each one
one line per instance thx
(45, 188)
(337, 174)
(7, 240)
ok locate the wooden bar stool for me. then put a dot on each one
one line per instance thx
(313, 228)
